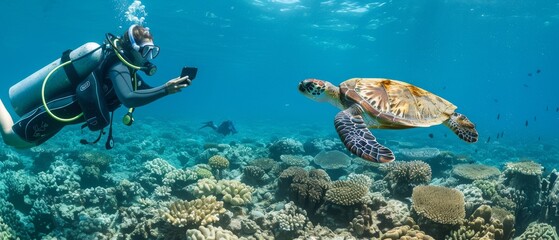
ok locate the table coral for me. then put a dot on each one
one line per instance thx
(294, 160)
(471, 172)
(349, 192)
(197, 212)
(439, 204)
(419, 153)
(332, 159)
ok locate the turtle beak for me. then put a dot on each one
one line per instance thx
(302, 87)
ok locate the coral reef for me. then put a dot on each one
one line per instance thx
(198, 212)
(285, 146)
(472, 172)
(306, 189)
(419, 153)
(209, 233)
(332, 159)
(402, 177)
(349, 192)
(294, 160)
(229, 191)
(540, 231)
(481, 225)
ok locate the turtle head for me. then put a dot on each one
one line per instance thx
(319, 90)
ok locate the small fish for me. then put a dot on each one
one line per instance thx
(475, 150)
(557, 110)
(502, 133)
(529, 74)
(496, 100)
(488, 139)
(498, 116)
(526, 124)
(547, 108)
(539, 138)
(498, 135)
(431, 135)
(538, 71)
(445, 135)
(534, 118)
(525, 85)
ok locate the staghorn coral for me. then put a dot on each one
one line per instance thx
(197, 212)
(348, 192)
(294, 160)
(471, 172)
(481, 225)
(439, 204)
(539, 231)
(210, 233)
(402, 177)
(332, 159)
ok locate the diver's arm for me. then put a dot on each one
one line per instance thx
(121, 79)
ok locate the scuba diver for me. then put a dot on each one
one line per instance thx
(86, 85)
(225, 128)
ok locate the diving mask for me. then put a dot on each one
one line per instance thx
(147, 50)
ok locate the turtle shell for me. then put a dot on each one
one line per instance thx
(395, 104)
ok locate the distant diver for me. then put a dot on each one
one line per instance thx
(225, 128)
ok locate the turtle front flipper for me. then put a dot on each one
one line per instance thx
(358, 139)
(462, 127)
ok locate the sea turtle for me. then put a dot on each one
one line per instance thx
(379, 103)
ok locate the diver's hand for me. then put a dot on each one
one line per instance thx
(176, 84)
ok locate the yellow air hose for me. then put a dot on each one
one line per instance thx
(45, 101)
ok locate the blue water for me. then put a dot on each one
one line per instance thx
(489, 58)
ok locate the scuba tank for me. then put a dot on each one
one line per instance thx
(26, 95)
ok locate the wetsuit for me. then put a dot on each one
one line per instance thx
(38, 126)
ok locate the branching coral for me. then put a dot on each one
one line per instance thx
(349, 192)
(439, 204)
(198, 212)
(209, 233)
(481, 225)
(218, 162)
(402, 177)
(471, 172)
(229, 191)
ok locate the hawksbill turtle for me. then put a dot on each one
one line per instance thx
(379, 103)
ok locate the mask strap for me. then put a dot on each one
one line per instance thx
(131, 37)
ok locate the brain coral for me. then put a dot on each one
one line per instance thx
(349, 192)
(218, 162)
(198, 212)
(473, 172)
(439, 204)
(539, 231)
(332, 159)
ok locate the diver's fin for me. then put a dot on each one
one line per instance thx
(209, 124)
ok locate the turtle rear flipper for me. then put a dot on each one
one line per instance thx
(358, 139)
(462, 127)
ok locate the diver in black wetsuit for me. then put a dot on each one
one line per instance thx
(119, 85)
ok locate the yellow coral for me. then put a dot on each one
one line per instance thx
(198, 212)
(218, 162)
(439, 204)
(210, 232)
(204, 187)
(234, 192)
